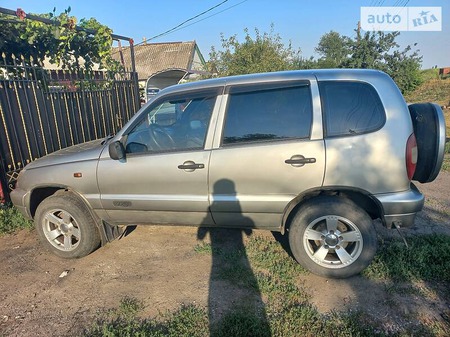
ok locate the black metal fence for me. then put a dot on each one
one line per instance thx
(42, 111)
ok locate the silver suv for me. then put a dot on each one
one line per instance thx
(318, 154)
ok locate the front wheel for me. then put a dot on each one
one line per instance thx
(66, 227)
(332, 237)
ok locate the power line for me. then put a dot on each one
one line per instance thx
(224, 10)
(186, 21)
(400, 4)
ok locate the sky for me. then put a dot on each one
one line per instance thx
(299, 22)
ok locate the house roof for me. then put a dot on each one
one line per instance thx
(152, 58)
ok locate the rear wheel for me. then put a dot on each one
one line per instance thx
(332, 237)
(66, 227)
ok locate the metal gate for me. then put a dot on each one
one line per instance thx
(42, 111)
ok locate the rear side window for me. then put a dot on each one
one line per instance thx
(350, 108)
(268, 114)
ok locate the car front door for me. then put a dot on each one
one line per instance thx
(271, 150)
(163, 178)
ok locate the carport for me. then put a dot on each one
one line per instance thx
(165, 78)
(160, 65)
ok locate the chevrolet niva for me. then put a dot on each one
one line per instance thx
(318, 154)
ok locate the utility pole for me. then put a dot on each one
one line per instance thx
(358, 31)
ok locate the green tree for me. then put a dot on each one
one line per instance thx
(379, 50)
(404, 68)
(369, 50)
(374, 50)
(334, 50)
(262, 53)
(266, 52)
(306, 63)
(59, 42)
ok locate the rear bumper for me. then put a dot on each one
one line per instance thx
(401, 208)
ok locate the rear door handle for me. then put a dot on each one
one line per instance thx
(298, 160)
(191, 166)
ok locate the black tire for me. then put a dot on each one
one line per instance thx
(332, 237)
(66, 226)
(429, 129)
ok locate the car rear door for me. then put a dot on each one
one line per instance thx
(269, 149)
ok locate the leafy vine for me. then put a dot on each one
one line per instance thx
(64, 41)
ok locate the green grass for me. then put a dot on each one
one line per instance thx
(276, 272)
(191, 320)
(429, 74)
(427, 258)
(203, 248)
(446, 163)
(432, 90)
(187, 321)
(242, 322)
(287, 311)
(265, 267)
(11, 220)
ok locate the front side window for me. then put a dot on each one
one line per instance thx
(268, 114)
(174, 124)
(350, 108)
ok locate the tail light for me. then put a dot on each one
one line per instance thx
(411, 156)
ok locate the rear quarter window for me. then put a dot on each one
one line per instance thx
(350, 108)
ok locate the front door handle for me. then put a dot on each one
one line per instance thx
(190, 166)
(298, 160)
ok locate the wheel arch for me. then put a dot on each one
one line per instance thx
(66, 226)
(107, 232)
(39, 194)
(360, 197)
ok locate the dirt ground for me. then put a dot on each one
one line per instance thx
(43, 295)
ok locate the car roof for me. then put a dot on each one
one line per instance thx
(319, 74)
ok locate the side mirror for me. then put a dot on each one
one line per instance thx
(116, 150)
